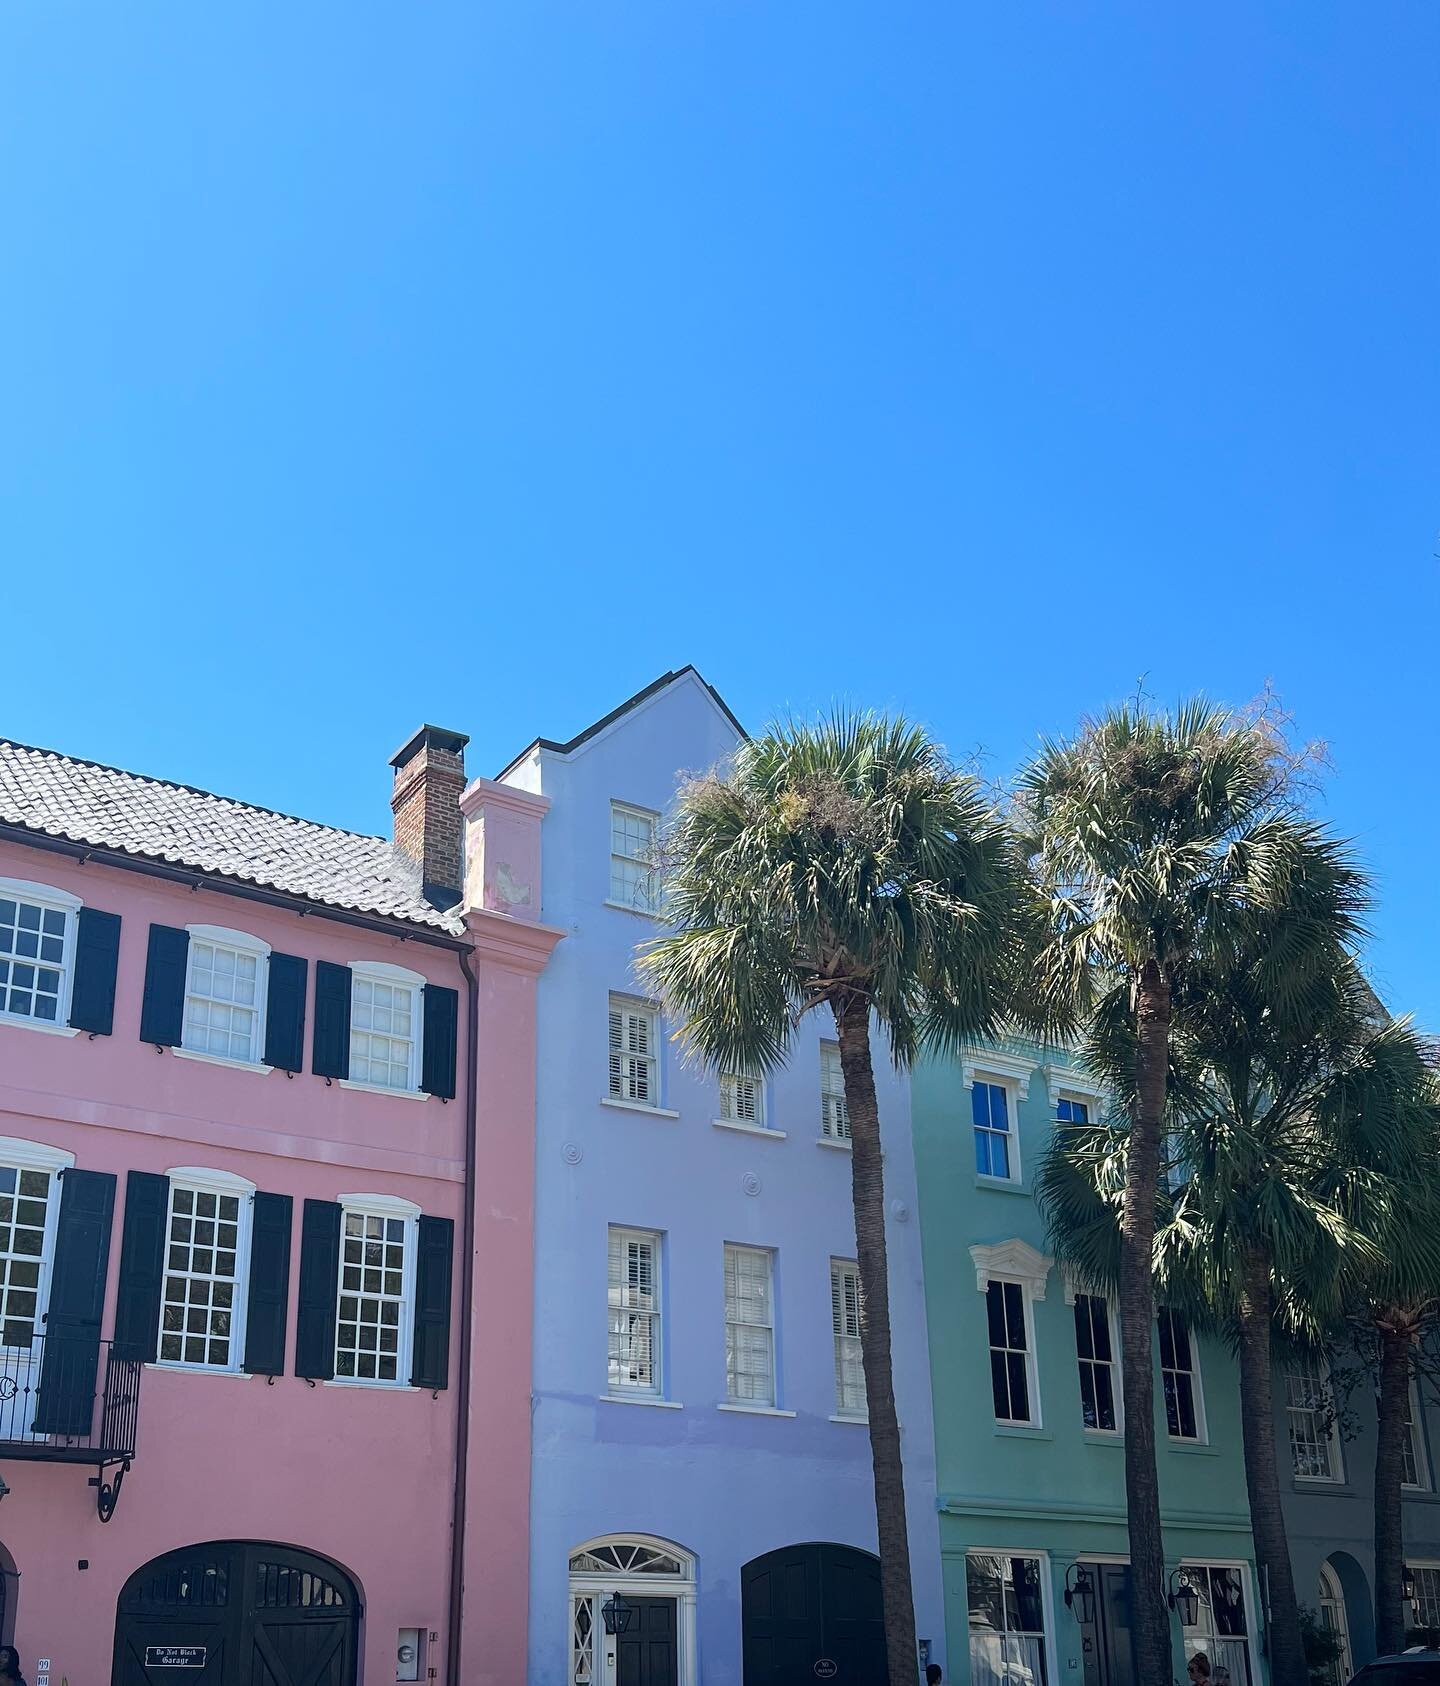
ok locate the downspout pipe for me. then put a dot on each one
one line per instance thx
(453, 1676)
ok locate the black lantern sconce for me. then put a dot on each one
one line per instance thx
(617, 1613)
(1407, 1584)
(1080, 1594)
(1184, 1598)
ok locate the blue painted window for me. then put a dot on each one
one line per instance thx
(990, 1110)
(1072, 1112)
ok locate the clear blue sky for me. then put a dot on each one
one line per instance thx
(477, 361)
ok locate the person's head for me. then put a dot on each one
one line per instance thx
(1221, 1676)
(933, 1676)
(1198, 1668)
(9, 1662)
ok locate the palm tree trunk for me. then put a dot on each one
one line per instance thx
(1151, 1618)
(868, 1192)
(1393, 1408)
(1262, 1475)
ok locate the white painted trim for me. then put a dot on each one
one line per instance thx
(1078, 1085)
(390, 973)
(639, 1398)
(595, 1585)
(1014, 1261)
(1015, 1091)
(1073, 1286)
(380, 1205)
(845, 1417)
(1201, 1436)
(1047, 1595)
(372, 1382)
(21, 1021)
(204, 1180)
(842, 1143)
(1252, 1608)
(1010, 1069)
(178, 1369)
(25, 889)
(34, 1156)
(639, 912)
(227, 938)
(382, 971)
(242, 942)
(748, 1129)
(54, 1162)
(212, 1182)
(754, 1410)
(382, 1089)
(56, 901)
(1035, 1422)
(638, 1106)
(257, 1066)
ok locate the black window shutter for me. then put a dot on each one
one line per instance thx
(269, 1293)
(285, 1012)
(162, 1009)
(433, 1258)
(319, 1284)
(142, 1265)
(70, 1367)
(97, 956)
(330, 1050)
(441, 1012)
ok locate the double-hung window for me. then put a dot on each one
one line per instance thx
(1007, 1619)
(1095, 1354)
(1180, 1374)
(1414, 1465)
(742, 1099)
(1070, 1111)
(634, 1062)
(834, 1119)
(225, 976)
(633, 879)
(1310, 1414)
(845, 1320)
(992, 1113)
(385, 1026)
(1011, 1373)
(207, 1248)
(633, 1295)
(749, 1326)
(29, 1207)
(1222, 1625)
(1426, 1577)
(37, 951)
(374, 1322)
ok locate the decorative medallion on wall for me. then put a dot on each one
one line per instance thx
(900, 1211)
(751, 1183)
(572, 1153)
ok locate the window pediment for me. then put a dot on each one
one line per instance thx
(1015, 1260)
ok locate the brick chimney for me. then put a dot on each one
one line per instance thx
(429, 776)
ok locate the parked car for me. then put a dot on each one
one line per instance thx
(1419, 1667)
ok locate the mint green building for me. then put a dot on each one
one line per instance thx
(1028, 1425)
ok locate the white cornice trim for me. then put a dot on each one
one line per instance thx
(1068, 1080)
(982, 1062)
(1014, 1260)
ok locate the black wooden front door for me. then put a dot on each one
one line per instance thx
(812, 1612)
(645, 1652)
(235, 1612)
(1107, 1643)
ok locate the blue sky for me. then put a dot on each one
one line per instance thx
(477, 362)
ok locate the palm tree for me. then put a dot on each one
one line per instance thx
(845, 866)
(1293, 1141)
(1156, 842)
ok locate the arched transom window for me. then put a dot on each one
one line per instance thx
(628, 1557)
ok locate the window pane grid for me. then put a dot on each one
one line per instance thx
(1009, 1372)
(634, 1312)
(845, 1320)
(742, 1099)
(990, 1114)
(632, 858)
(222, 1001)
(1007, 1620)
(1177, 1372)
(201, 1268)
(1071, 1112)
(1095, 1354)
(1311, 1420)
(1427, 1594)
(32, 959)
(632, 1054)
(749, 1327)
(834, 1119)
(1414, 1471)
(372, 1297)
(382, 1032)
(24, 1207)
(1221, 1625)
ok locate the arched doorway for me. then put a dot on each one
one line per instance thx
(235, 1611)
(812, 1612)
(657, 1579)
(1335, 1622)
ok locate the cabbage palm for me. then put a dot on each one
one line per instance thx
(849, 867)
(1157, 842)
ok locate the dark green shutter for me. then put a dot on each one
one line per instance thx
(330, 1051)
(97, 957)
(269, 1294)
(434, 1253)
(441, 1012)
(142, 1265)
(319, 1284)
(162, 1010)
(285, 1012)
(69, 1369)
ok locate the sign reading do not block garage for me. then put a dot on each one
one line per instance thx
(175, 1656)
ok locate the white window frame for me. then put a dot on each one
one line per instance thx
(202, 1180)
(654, 1238)
(53, 900)
(1432, 1566)
(1418, 1449)
(832, 1088)
(382, 1206)
(1334, 1456)
(1011, 1091)
(615, 898)
(730, 1083)
(241, 942)
(39, 1156)
(382, 971)
(846, 1413)
(1047, 1600)
(1075, 1097)
(591, 1588)
(1252, 1611)
(1112, 1316)
(1032, 1370)
(618, 1002)
(1330, 1595)
(732, 1318)
(1202, 1430)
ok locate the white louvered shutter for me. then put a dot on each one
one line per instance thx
(834, 1120)
(741, 1099)
(632, 1054)
(845, 1315)
(749, 1327)
(634, 1311)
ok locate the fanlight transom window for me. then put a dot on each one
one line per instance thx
(627, 1558)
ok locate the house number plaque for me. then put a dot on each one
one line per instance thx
(826, 1668)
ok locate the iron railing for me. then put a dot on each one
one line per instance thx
(68, 1400)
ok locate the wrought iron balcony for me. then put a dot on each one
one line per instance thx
(69, 1401)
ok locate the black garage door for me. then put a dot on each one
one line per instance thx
(812, 1612)
(237, 1613)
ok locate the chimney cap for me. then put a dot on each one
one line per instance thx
(429, 737)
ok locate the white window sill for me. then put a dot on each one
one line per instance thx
(222, 1059)
(373, 1386)
(849, 1417)
(1202, 1447)
(651, 914)
(199, 1369)
(1001, 1185)
(1023, 1431)
(754, 1410)
(840, 1144)
(1325, 1481)
(380, 1089)
(748, 1129)
(1103, 1436)
(641, 1399)
(44, 1026)
(638, 1106)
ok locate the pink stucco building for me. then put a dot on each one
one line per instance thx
(264, 1086)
